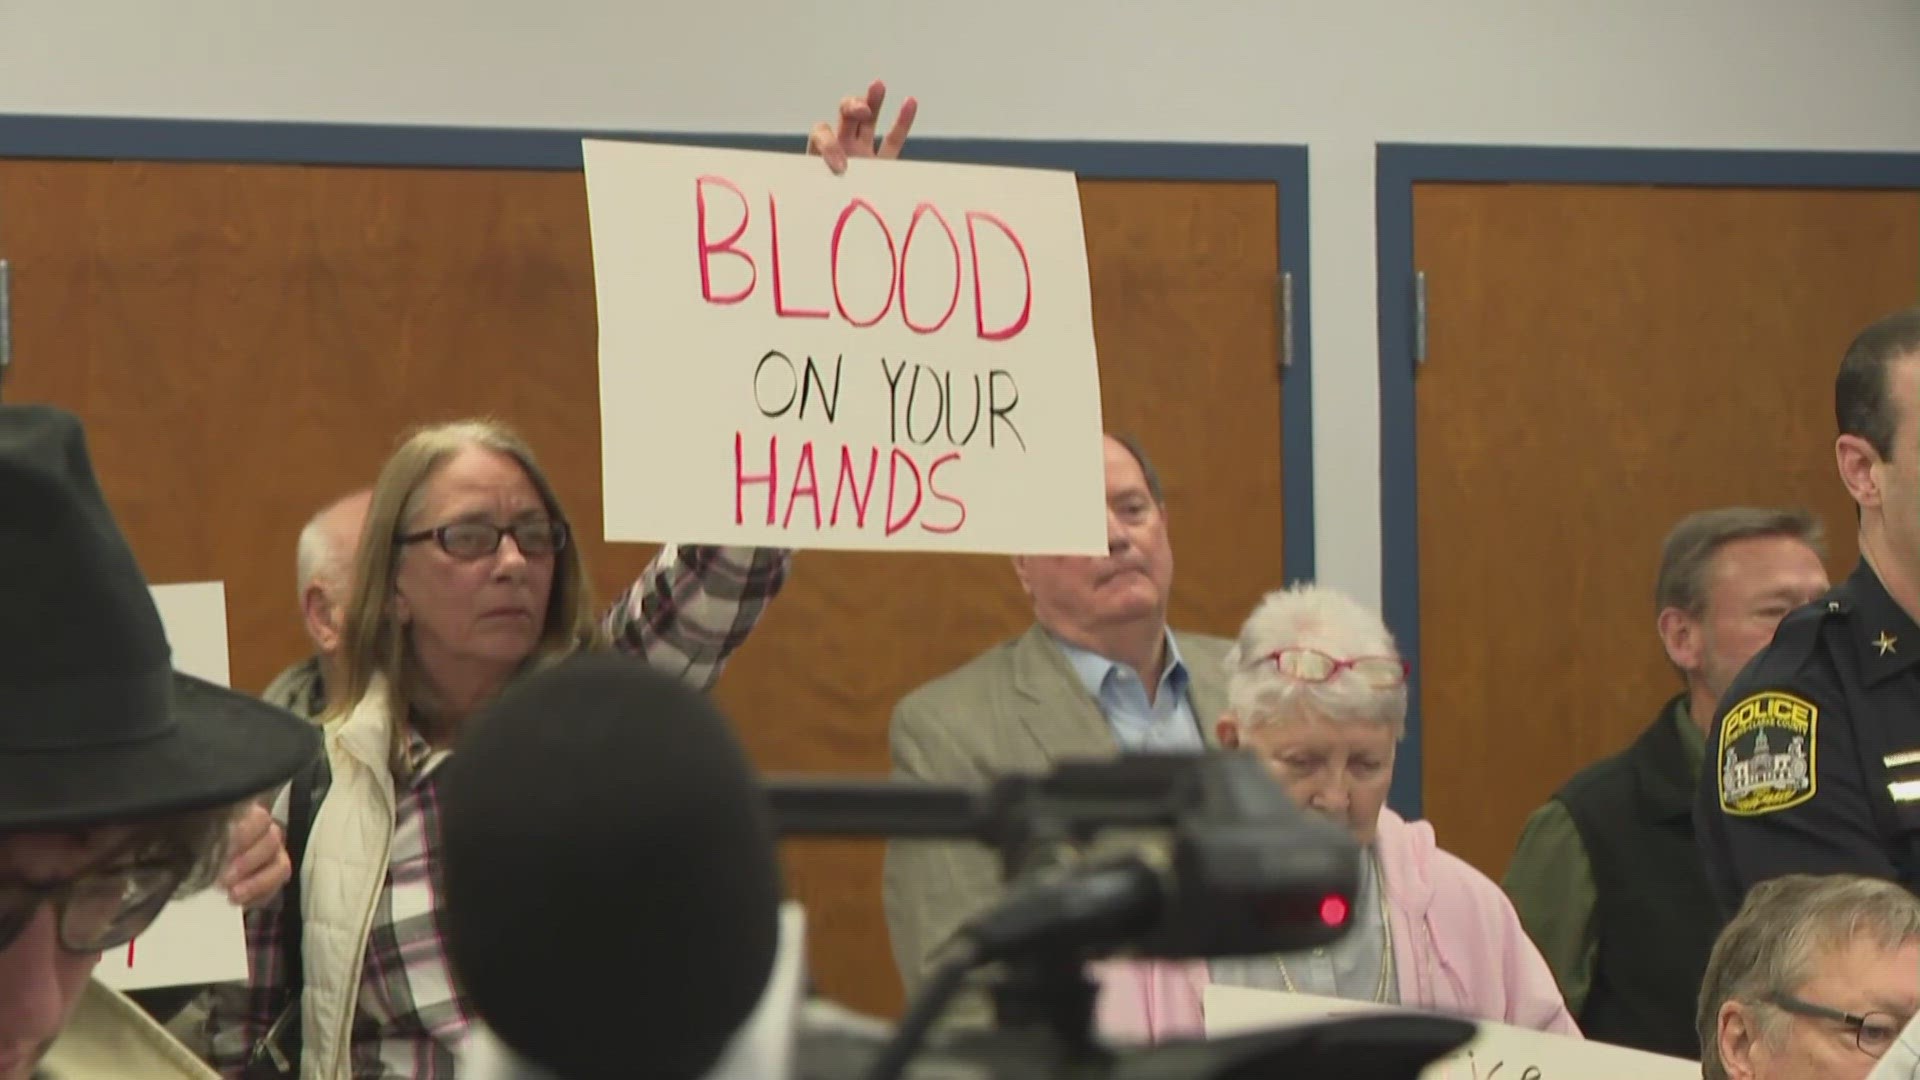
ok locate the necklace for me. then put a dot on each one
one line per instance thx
(1386, 932)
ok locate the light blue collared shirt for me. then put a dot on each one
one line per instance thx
(1165, 724)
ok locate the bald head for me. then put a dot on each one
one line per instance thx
(325, 565)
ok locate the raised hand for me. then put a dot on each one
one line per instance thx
(853, 136)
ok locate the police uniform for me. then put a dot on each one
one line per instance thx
(1813, 763)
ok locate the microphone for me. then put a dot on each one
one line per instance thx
(603, 829)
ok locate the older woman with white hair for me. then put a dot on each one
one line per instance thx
(1317, 689)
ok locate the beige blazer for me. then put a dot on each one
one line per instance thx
(1017, 707)
(110, 1038)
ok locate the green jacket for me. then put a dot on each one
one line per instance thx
(1550, 881)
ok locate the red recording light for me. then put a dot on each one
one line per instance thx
(1333, 910)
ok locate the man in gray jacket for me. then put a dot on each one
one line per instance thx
(1098, 674)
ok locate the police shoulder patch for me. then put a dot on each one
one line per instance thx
(1766, 753)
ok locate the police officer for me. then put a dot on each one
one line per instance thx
(1814, 757)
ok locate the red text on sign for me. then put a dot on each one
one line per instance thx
(793, 488)
(723, 213)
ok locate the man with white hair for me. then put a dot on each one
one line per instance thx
(324, 568)
(1814, 979)
(1098, 674)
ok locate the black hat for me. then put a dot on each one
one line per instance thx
(95, 724)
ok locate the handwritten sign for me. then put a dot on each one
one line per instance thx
(197, 939)
(195, 618)
(897, 358)
(200, 938)
(1497, 1052)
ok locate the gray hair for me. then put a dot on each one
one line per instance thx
(319, 557)
(1308, 616)
(1147, 472)
(315, 556)
(1689, 549)
(1783, 929)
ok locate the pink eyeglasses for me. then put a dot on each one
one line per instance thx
(1314, 666)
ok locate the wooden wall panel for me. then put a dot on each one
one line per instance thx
(246, 342)
(1602, 361)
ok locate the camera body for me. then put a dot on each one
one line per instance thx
(1168, 856)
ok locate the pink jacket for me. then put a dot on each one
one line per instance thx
(1457, 945)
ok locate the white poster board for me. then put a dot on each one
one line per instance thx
(201, 938)
(1497, 1051)
(897, 358)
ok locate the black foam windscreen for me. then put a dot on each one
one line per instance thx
(612, 883)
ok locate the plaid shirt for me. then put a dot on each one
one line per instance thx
(687, 613)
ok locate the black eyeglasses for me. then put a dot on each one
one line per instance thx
(477, 539)
(1874, 1033)
(96, 911)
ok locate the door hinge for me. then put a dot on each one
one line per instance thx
(1419, 318)
(6, 320)
(1283, 308)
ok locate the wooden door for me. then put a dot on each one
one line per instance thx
(247, 342)
(1602, 361)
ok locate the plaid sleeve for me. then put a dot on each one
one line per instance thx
(239, 1016)
(694, 605)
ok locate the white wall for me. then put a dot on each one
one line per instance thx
(1339, 75)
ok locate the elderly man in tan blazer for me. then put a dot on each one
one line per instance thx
(1097, 675)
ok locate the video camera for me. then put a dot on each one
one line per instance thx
(1169, 856)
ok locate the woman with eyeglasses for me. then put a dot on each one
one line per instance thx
(467, 576)
(1316, 688)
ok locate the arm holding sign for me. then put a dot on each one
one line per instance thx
(693, 606)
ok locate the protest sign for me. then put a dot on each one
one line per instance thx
(201, 938)
(1497, 1052)
(897, 358)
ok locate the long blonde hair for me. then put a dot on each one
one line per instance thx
(373, 643)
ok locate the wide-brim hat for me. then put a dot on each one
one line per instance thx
(96, 726)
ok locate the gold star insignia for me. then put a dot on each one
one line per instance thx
(1884, 643)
